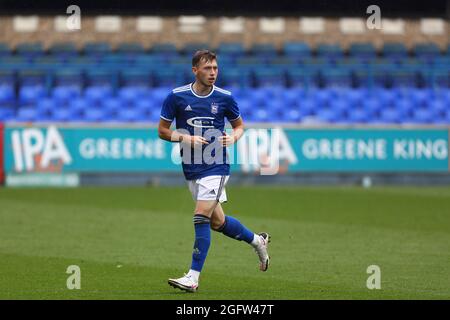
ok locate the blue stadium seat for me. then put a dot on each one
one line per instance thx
(6, 113)
(112, 105)
(165, 50)
(291, 114)
(394, 50)
(364, 50)
(302, 77)
(293, 96)
(68, 77)
(331, 51)
(404, 77)
(340, 105)
(5, 50)
(438, 106)
(297, 50)
(63, 49)
(94, 115)
(30, 49)
(30, 77)
(358, 115)
(62, 115)
(264, 50)
(7, 94)
(269, 77)
(97, 48)
(27, 114)
(337, 77)
(96, 94)
(102, 77)
(131, 94)
(422, 115)
(192, 47)
(372, 106)
(168, 77)
(31, 94)
(307, 106)
(7, 77)
(426, 50)
(234, 77)
(131, 115)
(390, 115)
(130, 48)
(329, 115)
(46, 105)
(63, 94)
(136, 77)
(230, 49)
(78, 105)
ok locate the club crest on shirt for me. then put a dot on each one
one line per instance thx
(214, 108)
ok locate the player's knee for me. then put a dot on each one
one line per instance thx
(217, 225)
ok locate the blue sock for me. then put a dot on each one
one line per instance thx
(202, 241)
(233, 228)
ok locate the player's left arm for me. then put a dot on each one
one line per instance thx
(238, 131)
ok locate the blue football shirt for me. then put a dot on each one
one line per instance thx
(198, 114)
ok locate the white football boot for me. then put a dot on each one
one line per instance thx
(186, 283)
(261, 250)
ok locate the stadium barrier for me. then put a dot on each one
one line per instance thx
(2, 170)
(69, 150)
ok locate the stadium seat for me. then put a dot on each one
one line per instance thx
(331, 51)
(30, 49)
(97, 48)
(62, 115)
(231, 49)
(27, 114)
(96, 94)
(5, 50)
(269, 77)
(394, 50)
(78, 105)
(422, 115)
(131, 115)
(362, 50)
(63, 49)
(7, 94)
(390, 115)
(93, 114)
(192, 47)
(136, 77)
(426, 50)
(63, 94)
(130, 48)
(47, 105)
(293, 86)
(6, 113)
(358, 115)
(264, 50)
(102, 78)
(297, 50)
(68, 77)
(31, 94)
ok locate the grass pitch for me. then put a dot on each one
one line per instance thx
(129, 241)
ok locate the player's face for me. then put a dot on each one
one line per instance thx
(206, 72)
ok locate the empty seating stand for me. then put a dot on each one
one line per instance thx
(295, 83)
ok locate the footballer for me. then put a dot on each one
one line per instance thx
(199, 110)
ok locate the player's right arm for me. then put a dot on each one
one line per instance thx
(168, 114)
(168, 134)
